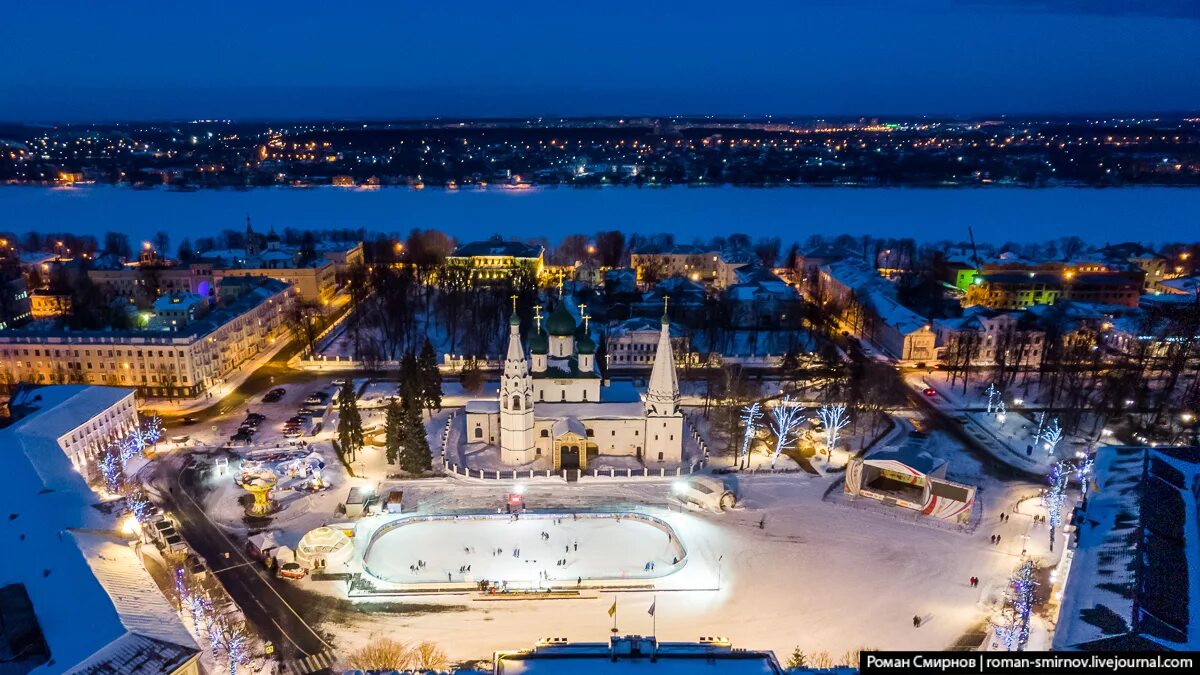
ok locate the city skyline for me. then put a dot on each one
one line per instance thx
(479, 60)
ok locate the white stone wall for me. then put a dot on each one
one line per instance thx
(84, 443)
(664, 440)
(575, 390)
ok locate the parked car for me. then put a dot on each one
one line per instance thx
(257, 417)
(292, 570)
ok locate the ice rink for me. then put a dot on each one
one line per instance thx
(499, 548)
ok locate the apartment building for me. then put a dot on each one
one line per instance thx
(866, 307)
(714, 269)
(985, 337)
(250, 316)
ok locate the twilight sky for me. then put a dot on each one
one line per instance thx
(76, 60)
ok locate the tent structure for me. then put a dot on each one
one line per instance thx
(910, 478)
(324, 547)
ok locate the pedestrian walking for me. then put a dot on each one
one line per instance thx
(576, 544)
(916, 622)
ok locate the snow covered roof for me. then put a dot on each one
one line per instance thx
(499, 247)
(893, 313)
(642, 324)
(48, 413)
(909, 456)
(589, 411)
(1183, 285)
(96, 606)
(633, 654)
(483, 406)
(150, 638)
(1135, 573)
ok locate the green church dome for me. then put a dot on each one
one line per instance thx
(585, 345)
(560, 323)
(539, 344)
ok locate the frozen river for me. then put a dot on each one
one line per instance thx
(997, 214)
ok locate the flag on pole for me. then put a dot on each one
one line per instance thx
(652, 605)
(612, 611)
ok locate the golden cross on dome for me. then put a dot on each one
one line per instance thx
(585, 318)
(582, 309)
(514, 300)
(537, 316)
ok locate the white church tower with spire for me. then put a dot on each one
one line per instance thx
(516, 400)
(664, 418)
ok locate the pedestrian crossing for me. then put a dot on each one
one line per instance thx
(313, 663)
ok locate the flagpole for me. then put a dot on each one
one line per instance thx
(654, 619)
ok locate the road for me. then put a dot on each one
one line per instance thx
(254, 591)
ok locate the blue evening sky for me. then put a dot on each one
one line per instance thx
(73, 59)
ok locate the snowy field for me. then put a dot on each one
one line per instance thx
(502, 549)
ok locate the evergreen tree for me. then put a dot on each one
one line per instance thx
(350, 431)
(431, 378)
(797, 660)
(394, 431)
(415, 457)
(410, 379)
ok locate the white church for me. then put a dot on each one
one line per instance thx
(561, 410)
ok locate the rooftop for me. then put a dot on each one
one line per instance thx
(498, 247)
(1135, 574)
(96, 607)
(260, 289)
(637, 654)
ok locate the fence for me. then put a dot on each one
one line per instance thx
(611, 472)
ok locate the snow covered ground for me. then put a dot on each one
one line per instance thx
(784, 569)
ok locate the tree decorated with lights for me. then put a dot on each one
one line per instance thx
(992, 394)
(1001, 412)
(785, 419)
(138, 505)
(112, 470)
(1018, 606)
(1051, 436)
(1084, 469)
(237, 647)
(834, 418)
(1054, 497)
(133, 443)
(153, 430)
(750, 417)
